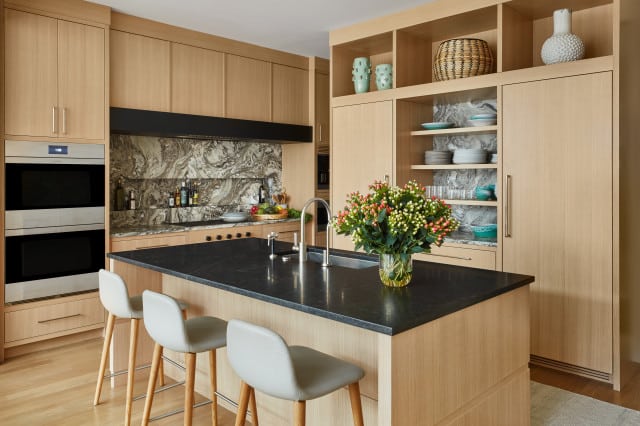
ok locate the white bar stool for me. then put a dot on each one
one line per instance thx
(115, 298)
(263, 361)
(168, 329)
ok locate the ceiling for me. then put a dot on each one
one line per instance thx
(295, 26)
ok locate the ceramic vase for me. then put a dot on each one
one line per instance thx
(395, 269)
(562, 46)
(361, 74)
(384, 76)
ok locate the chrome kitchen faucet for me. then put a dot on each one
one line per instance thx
(302, 250)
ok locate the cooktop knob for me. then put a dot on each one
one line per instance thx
(218, 237)
(208, 238)
(229, 236)
(247, 234)
(238, 235)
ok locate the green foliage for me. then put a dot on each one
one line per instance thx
(295, 214)
(392, 220)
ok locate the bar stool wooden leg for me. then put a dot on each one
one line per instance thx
(161, 373)
(254, 408)
(133, 345)
(356, 404)
(189, 385)
(105, 355)
(153, 376)
(245, 392)
(214, 387)
(299, 411)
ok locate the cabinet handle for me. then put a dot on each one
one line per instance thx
(54, 128)
(320, 132)
(59, 318)
(452, 257)
(507, 206)
(64, 121)
(148, 247)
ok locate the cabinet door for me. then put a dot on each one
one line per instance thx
(31, 75)
(197, 83)
(248, 88)
(290, 95)
(140, 70)
(557, 158)
(81, 69)
(361, 152)
(322, 129)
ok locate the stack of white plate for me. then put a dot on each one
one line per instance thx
(494, 158)
(470, 156)
(437, 157)
(483, 120)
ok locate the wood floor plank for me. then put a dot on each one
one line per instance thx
(57, 387)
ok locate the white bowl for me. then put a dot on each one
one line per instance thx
(483, 122)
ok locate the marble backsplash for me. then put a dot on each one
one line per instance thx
(229, 174)
(465, 178)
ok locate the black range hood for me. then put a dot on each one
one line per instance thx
(125, 121)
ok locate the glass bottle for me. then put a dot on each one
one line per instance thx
(184, 196)
(119, 201)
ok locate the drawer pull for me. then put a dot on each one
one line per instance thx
(452, 257)
(59, 318)
(148, 247)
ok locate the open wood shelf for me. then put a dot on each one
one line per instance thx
(456, 131)
(472, 203)
(452, 166)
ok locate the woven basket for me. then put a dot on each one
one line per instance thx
(462, 57)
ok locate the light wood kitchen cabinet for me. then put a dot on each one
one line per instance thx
(144, 242)
(248, 88)
(290, 95)
(362, 135)
(322, 129)
(197, 80)
(54, 77)
(461, 255)
(140, 72)
(31, 322)
(557, 153)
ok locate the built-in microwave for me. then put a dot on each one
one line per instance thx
(54, 218)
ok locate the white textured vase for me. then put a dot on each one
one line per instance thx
(562, 46)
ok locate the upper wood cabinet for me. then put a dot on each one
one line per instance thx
(197, 80)
(248, 88)
(322, 129)
(140, 72)
(54, 77)
(362, 133)
(290, 95)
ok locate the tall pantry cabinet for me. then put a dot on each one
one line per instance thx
(566, 172)
(557, 167)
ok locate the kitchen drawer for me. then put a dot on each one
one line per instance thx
(138, 243)
(31, 322)
(474, 258)
(222, 234)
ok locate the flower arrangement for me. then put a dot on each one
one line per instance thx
(394, 220)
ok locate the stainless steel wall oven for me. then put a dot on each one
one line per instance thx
(54, 219)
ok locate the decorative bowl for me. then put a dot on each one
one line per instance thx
(485, 231)
(437, 125)
(235, 216)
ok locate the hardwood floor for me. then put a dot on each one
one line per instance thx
(56, 387)
(628, 397)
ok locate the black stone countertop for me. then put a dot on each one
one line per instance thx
(351, 296)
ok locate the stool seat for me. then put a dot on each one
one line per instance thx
(166, 326)
(318, 374)
(265, 362)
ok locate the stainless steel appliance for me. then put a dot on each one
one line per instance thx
(323, 171)
(54, 219)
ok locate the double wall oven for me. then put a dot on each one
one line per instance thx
(54, 218)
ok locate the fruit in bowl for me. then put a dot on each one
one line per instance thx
(267, 209)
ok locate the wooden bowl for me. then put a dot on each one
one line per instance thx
(282, 215)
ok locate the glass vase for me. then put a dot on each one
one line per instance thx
(395, 269)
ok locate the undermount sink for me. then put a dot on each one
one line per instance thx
(343, 261)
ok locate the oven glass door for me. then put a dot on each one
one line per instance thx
(44, 256)
(52, 186)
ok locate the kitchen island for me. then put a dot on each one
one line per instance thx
(451, 348)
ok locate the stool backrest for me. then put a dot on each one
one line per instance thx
(261, 358)
(114, 294)
(163, 321)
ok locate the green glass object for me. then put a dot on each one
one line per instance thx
(395, 269)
